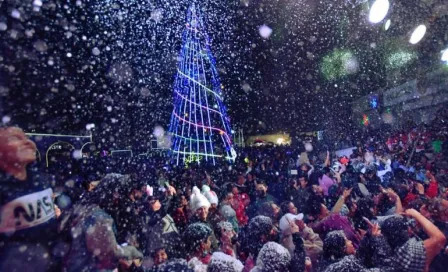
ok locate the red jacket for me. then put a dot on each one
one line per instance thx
(433, 189)
(239, 205)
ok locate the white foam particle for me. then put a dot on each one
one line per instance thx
(15, 14)
(77, 154)
(6, 119)
(3, 26)
(265, 31)
(96, 51)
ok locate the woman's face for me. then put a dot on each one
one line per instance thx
(227, 235)
(275, 210)
(160, 257)
(291, 208)
(183, 201)
(207, 245)
(349, 248)
(155, 205)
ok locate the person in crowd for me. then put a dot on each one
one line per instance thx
(227, 238)
(159, 228)
(262, 197)
(197, 238)
(271, 210)
(240, 203)
(181, 213)
(28, 225)
(160, 257)
(221, 262)
(174, 265)
(273, 257)
(374, 253)
(303, 192)
(366, 208)
(288, 207)
(326, 181)
(214, 215)
(94, 246)
(127, 213)
(411, 254)
(312, 243)
(228, 212)
(436, 210)
(261, 230)
(324, 221)
(200, 205)
(335, 247)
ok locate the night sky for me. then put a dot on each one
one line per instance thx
(67, 64)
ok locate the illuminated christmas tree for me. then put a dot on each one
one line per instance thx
(200, 128)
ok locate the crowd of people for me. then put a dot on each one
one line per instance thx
(383, 207)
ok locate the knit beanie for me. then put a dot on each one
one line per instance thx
(195, 234)
(273, 257)
(221, 262)
(260, 225)
(198, 200)
(210, 195)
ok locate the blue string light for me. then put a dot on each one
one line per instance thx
(198, 127)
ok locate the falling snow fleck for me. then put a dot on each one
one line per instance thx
(265, 31)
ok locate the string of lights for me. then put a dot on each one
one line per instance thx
(199, 125)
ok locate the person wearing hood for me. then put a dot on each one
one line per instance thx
(27, 214)
(336, 246)
(126, 217)
(259, 231)
(200, 206)
(221, 262)
(227, 238)
(312, 243)
(197, 238)
(94, 245)
(160, 229)
(412, 254)
(436, 210)
(273, 257)
(374, 253)
(228, 212)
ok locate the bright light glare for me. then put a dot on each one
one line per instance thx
(280, 141)
(378, 11)
(418, 34)
(445, 55)
(387, 25)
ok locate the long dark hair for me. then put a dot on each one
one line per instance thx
(395, 231)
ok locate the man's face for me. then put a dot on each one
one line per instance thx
(15, 147)
(261, 189)
(202, 213)
(303, 182)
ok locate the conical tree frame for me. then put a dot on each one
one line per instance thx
(200, 128)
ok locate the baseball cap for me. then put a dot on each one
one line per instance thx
(287, 218)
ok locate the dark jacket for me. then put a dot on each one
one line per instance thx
(94, 246)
